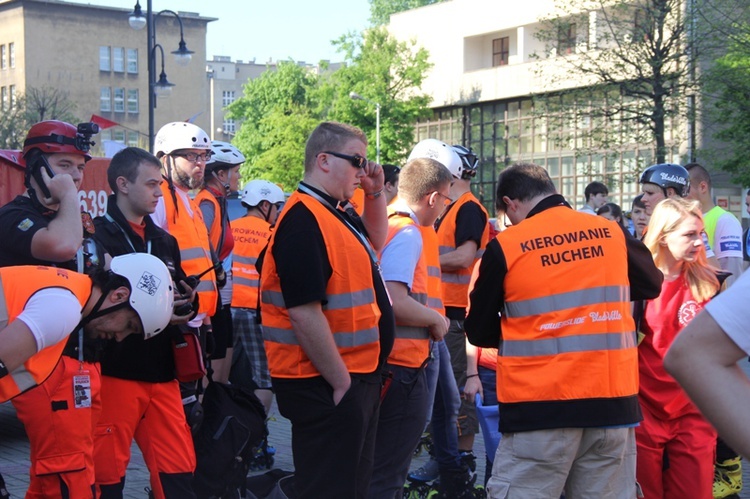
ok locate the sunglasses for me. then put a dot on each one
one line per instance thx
(357, 161)
(195, 157)
(447, 201)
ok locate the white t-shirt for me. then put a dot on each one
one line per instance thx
(51, 314)
(730, 311)
(400, 256)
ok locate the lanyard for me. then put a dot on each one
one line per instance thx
(351, 227)
(127, 238)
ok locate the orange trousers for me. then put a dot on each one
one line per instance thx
(151, 413)
(62, 435)
(675, 458)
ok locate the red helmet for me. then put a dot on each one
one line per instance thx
(55, 137)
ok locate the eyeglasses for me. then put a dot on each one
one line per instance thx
(447, 199)
(195, 157)
(279, 205)
(357, 161)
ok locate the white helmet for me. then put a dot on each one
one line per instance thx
(440, 152)
(151, 294)
(180, 135)
(226, 153)
(258, 190)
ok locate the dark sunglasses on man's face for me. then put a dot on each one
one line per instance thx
(357, 161)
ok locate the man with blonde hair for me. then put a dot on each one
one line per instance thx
(327, 320)
(411, 269)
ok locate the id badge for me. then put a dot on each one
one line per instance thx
(82, 391)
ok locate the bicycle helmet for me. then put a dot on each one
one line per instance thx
(440, 152)
(667, 175)
(261, 190)
(180, 135)
(469, 159)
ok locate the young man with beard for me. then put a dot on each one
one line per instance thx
(183, 150)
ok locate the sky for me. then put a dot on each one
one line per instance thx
(268, 29)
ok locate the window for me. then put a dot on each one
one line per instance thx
(133, 139)
(12, 92)
(229, 126)
(566, 39)
(4, 98)
(119, 100)
(133, 61)
(105, 99)
(119, 136)
(12, 54)
(104, 61)
(3, 57)
(227, 97)
(133, 101)
(118, 59)
(500, 51)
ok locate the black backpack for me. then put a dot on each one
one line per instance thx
(234, 423)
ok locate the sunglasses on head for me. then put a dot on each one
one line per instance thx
(357, 161)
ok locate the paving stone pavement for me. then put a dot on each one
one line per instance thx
(14, 454)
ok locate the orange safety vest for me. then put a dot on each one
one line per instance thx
(17, 285)
(567, 330)
(456, 283)
(214, 232)
(411, 345)
(350, 306)
(195, 251)
(251, 235)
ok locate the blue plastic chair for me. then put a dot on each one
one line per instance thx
(489, 418)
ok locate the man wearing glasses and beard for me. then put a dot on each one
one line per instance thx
(327, 322)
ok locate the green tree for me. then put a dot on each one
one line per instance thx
(381, 10)
(384, 71)
(276, 112)
(728, 87)
(279, 109)
(38, 104)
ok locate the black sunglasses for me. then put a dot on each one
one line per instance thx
(357, 161)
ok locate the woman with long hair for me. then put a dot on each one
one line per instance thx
(675, 444)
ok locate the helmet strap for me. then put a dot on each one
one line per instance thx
(97, 311)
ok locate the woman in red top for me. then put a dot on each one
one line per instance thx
(675, 444)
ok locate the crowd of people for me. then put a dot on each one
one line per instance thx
(371, 302)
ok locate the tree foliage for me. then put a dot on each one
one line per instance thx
(381, 10)
(386, 71)
(637, 57)
(728, 87)
(38, 104)
(279, 109)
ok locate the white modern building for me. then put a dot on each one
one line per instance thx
(486, 71)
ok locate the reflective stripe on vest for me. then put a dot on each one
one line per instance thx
(563, 301)
(455, 284)
(567, 344)
(412, 333)
(342, 339)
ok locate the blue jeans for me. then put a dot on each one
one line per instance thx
(444, 408)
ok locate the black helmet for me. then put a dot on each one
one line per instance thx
(667, 175)
(469, 159)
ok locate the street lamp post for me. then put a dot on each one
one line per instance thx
(182, 56)
(356, 96)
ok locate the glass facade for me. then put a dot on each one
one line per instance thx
(505, 132)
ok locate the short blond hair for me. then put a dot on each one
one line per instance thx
(420, 177)
(667, 216)
(329, 135)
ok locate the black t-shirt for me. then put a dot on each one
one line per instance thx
(304, 269)
(19, 221)
(470, 224)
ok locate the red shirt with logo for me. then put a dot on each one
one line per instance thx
(664, 318)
